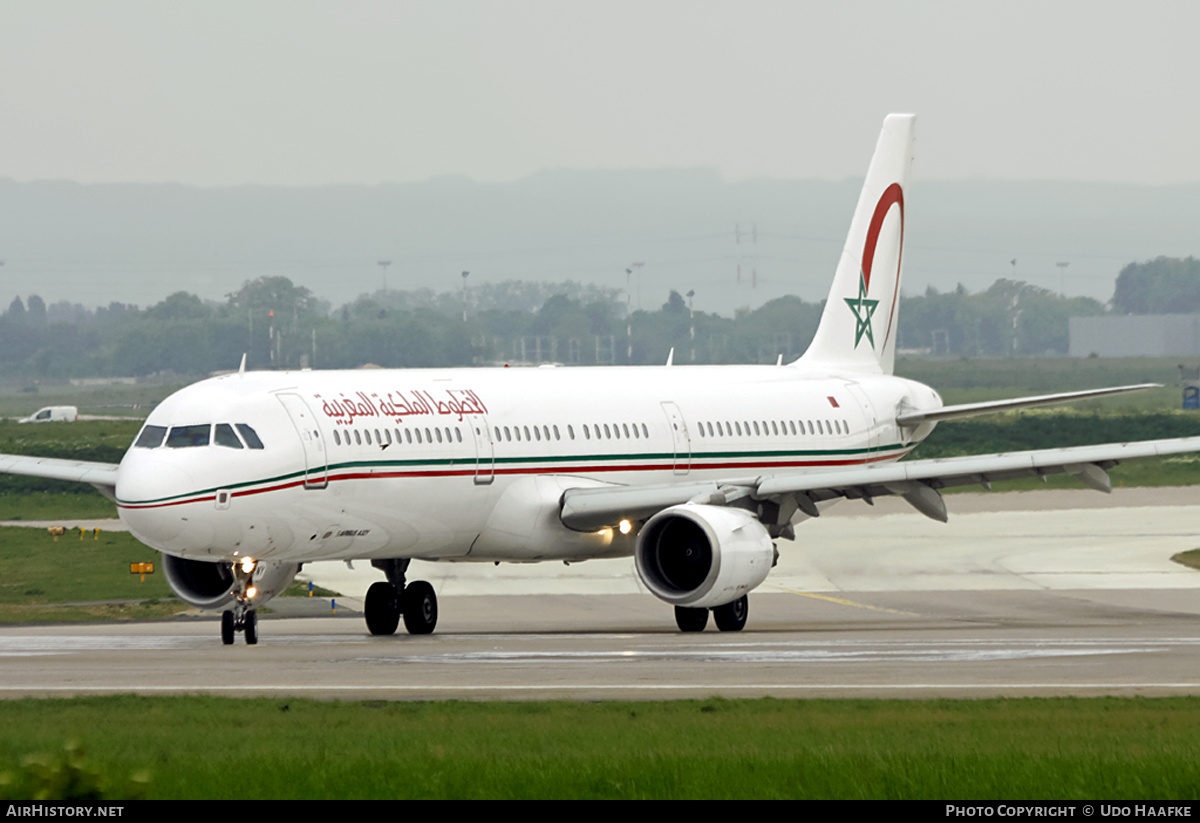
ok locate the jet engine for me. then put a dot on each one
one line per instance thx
(210, 585)
(703, 556)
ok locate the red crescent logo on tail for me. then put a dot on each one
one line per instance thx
(893, 195)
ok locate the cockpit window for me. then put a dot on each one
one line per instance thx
(151, 437)
(226, 436)
(250, 436)
(182, 437)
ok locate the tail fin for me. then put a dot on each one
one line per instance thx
(858, 327)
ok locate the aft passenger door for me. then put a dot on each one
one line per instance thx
(681, 440)
(315, 461)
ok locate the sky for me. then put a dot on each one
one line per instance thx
(298, 93)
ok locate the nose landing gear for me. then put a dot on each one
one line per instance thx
(242, 617)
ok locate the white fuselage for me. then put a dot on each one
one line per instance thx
(469, 464)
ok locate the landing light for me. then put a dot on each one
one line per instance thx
(247, 565)
(251, 593)
(625, 526)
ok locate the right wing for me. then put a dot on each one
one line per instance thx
(917, 481)
(101, 475)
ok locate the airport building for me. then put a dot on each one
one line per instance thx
(1135, 335)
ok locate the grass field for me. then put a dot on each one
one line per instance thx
(202, 747)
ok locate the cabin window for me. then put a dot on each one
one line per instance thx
(182, 437)
(458, 435)
(357, 437)
(419, 440)
(607, 433)
(151, 437)
(645, 431)
(756, 432)
(792, 424)
(408, 436)
(367, 436)
(570, 431)
(537, 434)
(227, 437)
(586, 435)
(556, 437)
(337, 438)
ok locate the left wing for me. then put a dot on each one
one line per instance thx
(101, 475)
(917, 481)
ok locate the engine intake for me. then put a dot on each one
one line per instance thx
(703, 556)
(210, 585)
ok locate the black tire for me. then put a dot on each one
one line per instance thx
(251, 627)
(382, 608)
(420, 608)
(227, 630)
(732, 616)
(690, 620)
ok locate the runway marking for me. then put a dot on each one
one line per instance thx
(292, 688)
(843, 602)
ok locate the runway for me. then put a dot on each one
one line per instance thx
(999, 602)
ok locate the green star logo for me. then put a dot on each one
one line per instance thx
(863, 310)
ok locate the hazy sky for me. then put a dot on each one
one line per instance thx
(297, 92)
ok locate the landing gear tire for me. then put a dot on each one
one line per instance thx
(690, 620)
(420, 608)
(732, 616)
(383, 608)
(251, 628)
(227, 627)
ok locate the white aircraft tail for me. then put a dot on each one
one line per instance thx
(858, 327)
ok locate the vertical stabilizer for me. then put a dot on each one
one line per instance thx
(858, 326)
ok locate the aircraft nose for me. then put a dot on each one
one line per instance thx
(150, 493)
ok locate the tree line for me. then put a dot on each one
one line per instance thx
(278, 324)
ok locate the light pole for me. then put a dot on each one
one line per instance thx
(1062, 276)
(692, 322)
(383, 264)
(629, 312)
(465, 295)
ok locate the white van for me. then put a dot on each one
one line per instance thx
(53, 414)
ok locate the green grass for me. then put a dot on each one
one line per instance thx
(22, 397)
(68, 579)
(204, 747)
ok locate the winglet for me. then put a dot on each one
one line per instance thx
(242, 368)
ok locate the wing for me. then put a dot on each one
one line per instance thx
(917, 481)
(101, 475)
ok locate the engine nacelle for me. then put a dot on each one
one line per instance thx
(703, 556)
(210, 585)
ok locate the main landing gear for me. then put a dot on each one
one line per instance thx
(730, 617)
(387, 602)
(242, 617)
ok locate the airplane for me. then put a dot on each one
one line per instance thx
(695, 471)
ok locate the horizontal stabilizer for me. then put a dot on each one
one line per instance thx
(915, 418)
